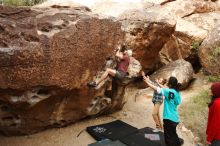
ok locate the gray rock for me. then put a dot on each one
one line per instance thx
(180, 69)
(209, 52)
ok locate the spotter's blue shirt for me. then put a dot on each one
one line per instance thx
(171, 100)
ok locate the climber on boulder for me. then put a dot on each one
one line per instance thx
(121, 70)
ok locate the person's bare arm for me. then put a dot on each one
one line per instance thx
(148, 81)
(119, 54)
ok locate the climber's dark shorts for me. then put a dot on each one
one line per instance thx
(120, 74)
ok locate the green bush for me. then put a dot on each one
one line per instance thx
(213, 78)
(194, 114)
(195, 45)
(21, 2)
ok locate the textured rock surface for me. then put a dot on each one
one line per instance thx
(146, 29)
(146, 33)
(47, 56)
(180, 69)
(179, 8)
(151, 31)
(206, 21)
(149, 28)
(182, 44)
(116, 8)
(184, 8)
(188, 35)
(134, 68)
(209, 52)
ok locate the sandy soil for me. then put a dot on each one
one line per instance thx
(137, 113)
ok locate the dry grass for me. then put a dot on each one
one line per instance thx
(194, 114)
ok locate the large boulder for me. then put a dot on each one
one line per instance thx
(47, 57)
(209, 52)
(180, 69)
(150, 24)
(66, 4)
(116, 7)
(159, 2)
(218, 4)
(184, 8)
(146, 33)
(147, 29)
(206, 21)
(189, 33)
(184, 43)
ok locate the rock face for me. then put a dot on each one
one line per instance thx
(183, 44)
(206, 21)
(185, 8)
(209, 52)
(146, 33)
(160, 32)
(47, 57)
(146, 30)
(191, 29)
(180, 69)
(116, 8)
(50, 52)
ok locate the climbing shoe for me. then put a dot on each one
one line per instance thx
(92, 84)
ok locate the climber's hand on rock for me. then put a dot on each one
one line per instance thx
(117, 49)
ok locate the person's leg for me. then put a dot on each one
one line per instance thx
(155, 115)
(176, 139)
(170, 135)
(175, 136)
(159, 119)
(108, 71)
(167, 135)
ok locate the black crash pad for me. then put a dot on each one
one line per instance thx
(141, 138)
(149, 130)
(107, 142)
(113, 130)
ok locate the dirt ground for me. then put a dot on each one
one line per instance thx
(136, 113)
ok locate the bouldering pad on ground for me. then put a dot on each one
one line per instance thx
(112, 130)
(107, 142)
(144, 137)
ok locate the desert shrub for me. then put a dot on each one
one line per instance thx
(194, 114)
(213, 78)
(195, 45)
